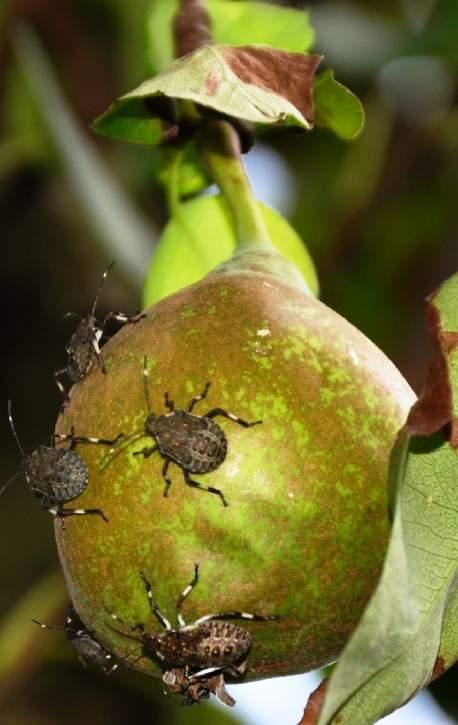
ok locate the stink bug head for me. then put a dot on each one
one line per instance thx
(73, 623)
(197, 687)
(83, 348)
(89, 649)
(150, 425)
(193, 690)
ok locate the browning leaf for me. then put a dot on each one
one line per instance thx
(435, 407)
(290, 75)
(254, 84)
(313, 706)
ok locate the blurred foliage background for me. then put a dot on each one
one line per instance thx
(379, 216)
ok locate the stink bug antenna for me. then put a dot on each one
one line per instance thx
(104, 276)
(10, 480)
(47, 626)
(10, 418)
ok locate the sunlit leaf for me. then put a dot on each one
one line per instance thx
(233, 23)
(408, 633)
(249, 23)
(256, 84)
(336, 107)
(202, 236)
(159, 34)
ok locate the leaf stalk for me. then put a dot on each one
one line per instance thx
(219, 147)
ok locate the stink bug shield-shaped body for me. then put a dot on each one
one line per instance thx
(85, 343)
(57, 475)
(196, 656)
(195, 443)
(85, 643)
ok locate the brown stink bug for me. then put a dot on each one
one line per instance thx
(195, 443)
(196, 656)
(57, 475)
(85, 343)
(85, 643)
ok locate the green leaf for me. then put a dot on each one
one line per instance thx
(251, 23)
(159, 34)
(257, 84)
(336, 107)
(409, 631)
(448, 649)
(202, 236)
(131, 121)
(233, 23)
(192, 177)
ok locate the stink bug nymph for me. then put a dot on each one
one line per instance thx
(57, 475)
(196, 656)
(85, 643)
(85, 343)
(195, 443)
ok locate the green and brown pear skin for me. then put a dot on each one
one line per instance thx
(306, 528)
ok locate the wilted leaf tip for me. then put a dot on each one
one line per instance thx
(289, 75)
(439, 668)
(314, 703)
(434, 409)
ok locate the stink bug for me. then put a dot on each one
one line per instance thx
(85, 643)
(195, 443)
(57, 475)
(196, 656)
(85, 343)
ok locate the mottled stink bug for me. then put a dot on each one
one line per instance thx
(85, 643)
(198, 687)
(84, 345)
(57, 475)
(196, 656)
(195, 443)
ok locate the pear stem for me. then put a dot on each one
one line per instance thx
(219, 147)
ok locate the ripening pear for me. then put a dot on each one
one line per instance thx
(305, 530)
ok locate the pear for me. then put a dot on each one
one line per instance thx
(304, 533)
